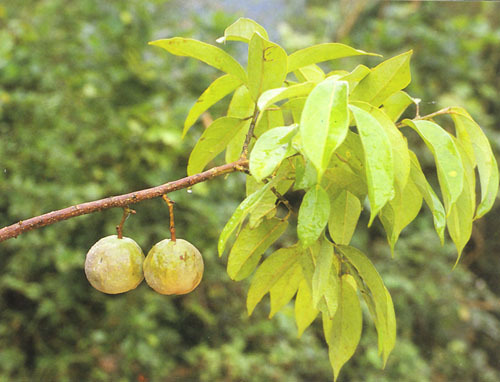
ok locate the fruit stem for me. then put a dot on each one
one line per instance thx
(119, 228)
(170, 204)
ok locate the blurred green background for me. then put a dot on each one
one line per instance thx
(89, 110)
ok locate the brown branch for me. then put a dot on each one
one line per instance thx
(124, 200)
(446, 110)
(248, 138)
(170, 204)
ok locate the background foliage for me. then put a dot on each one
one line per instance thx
(88, 110)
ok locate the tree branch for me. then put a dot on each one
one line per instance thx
(124, 200)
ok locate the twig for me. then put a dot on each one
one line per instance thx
(244, 151)
(170, 204)
(446, 110)
(124, 200)
(119, 228)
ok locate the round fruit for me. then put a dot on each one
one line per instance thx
(114, 265)
(173, 267)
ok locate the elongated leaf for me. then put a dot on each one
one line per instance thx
(213, 141)
(217, 90)
(430, 197)
(275, 95)
(461, 214)
(396, 104)
(268, 120)
(320, 53)
(479, 150)
(295, 105)
(343, 332)
(385, 79)
(313, 215)
(383, 316)
(400, 154)
(310, 73)
(241, 212)
(241, 106)
(305, 174)
(379, 164)
(285, 288)
(322, 271)
(253, 243)
(342, 177)
(305, 312)
(242, 30)
(448, 161)
(344, 214)
(400, 211)
(324, 122)
(267, 65)
(207, 53)
(269, 272)
(353, 78)
(270, 149)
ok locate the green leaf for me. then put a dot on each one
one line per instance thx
(207, 53)
(342, 177)
(241, 212)
(430, 197)
(313, 215)
(213, 141)
(379, 164)
(325, 280)
(461, 214)
(355, 76)
(320, 53)
(324, 122)
(269, 272)
(343, 332)
(267, 120)
(344, 214)
(285, 288)
(272, 96)
(295, 105)
(384, 312)
(252, 243)
(217, 90)
(400, 211)
(448, 161)
(479, 150)
(400, 154)
(270, 149)
(305, 174)
(242, 30)
(267, 64)
(385, 79)
(241, 106)
(396, 104)
(310, 73)
(305, 312)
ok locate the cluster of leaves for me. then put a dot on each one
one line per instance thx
(337, 138)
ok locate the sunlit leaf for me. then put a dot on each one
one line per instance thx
(313, 215)
(252, 243)
(275, 95)
(320, 53)
(400, 211)
(269, 272)
(344, 214)
(324, 122)
(430, 197)
(295, 105)
(353, 78)
(285, 288)
(448, 161)
(379, 166)
(217, 90)
(396, 104)
(268, 120)
(310, 73)
(325, 281)
(479, 150)
(385, 79)
(305, 312)
(384, 312)
(267, 65)
(207, 53)
(270, 149)
(242, 30)
(343, 332)
(213, 141)
(241, 212)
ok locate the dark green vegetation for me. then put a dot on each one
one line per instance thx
(89, 110)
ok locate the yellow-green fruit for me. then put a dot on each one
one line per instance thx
(114, 265)
(173, 267)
